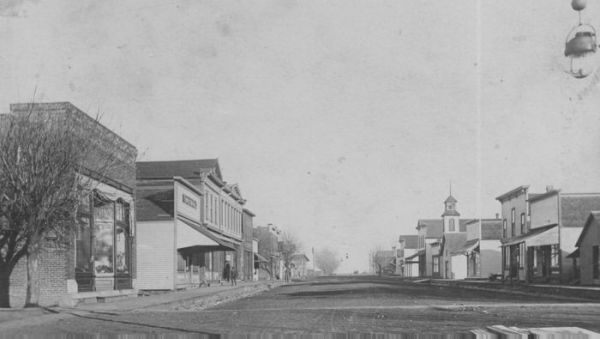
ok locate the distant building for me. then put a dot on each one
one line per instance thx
(588, 250)
(299, 262)
(407, 248)
(383, 262)
(454, 263)
(483, 248)
(431, 232)
(247, 262)
(536, 249)
(515, 223)
(268, 250)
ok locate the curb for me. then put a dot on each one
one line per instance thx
(58, 313)
(508, 290)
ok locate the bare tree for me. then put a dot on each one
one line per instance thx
(289, 246)
(381, 259)
(45, 165)
(327, 260)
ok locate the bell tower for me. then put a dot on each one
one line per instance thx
(451, 217)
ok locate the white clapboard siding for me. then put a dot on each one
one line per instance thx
(156, 255)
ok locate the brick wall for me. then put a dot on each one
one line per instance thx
(53, 277)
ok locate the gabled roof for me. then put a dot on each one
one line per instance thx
(434, 227)
(513, 193)
(593, 217)
(188, 169)
(154, 203)
(491, 229)
(453, 241)
(452, 213)
(468, 246)
(576, 208)
(450, 198)
(410, 241)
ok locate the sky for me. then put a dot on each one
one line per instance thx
(343, 122)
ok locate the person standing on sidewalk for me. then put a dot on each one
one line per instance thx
(226, 272)
(233, 276)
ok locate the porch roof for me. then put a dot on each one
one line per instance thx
(468, 246)
(546, 235)
(416, 254)
(221, 243)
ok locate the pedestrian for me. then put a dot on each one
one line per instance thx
(226, 271)
(233, 276)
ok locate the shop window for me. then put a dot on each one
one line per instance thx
(104, 225)
(122, 231)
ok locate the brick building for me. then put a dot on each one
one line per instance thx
(99, 259)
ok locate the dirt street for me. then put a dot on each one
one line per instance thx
(342, 305)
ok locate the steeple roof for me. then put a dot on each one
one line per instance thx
(450, 199)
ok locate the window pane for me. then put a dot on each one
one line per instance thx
(103, 237)
(121, 260)
(83, 245)
(119, 211)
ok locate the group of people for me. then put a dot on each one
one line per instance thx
(230, 274)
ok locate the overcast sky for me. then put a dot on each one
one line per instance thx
(343, 121)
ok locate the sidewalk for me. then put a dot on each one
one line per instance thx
(168, 301)
(565, 292)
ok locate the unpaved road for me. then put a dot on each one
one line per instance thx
(342, 305)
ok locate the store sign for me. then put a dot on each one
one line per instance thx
(187, 202)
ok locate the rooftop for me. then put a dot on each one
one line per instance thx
(513, 193)
(410, 241)
(188, 169)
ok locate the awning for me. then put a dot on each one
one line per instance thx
(217, 242)
(188, 236)
(542, 236)
(469, 246)
(260, 258)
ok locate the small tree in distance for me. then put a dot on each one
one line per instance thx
(380, 260)
(288, 247)
(327, 260)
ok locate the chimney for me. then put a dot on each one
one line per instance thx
(549, 188)
(497, 215)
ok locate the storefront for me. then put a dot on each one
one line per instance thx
(104, 241)
(534, 256)
(175, 249)
(98, 260)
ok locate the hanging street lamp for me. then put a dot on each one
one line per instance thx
(581, 45)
